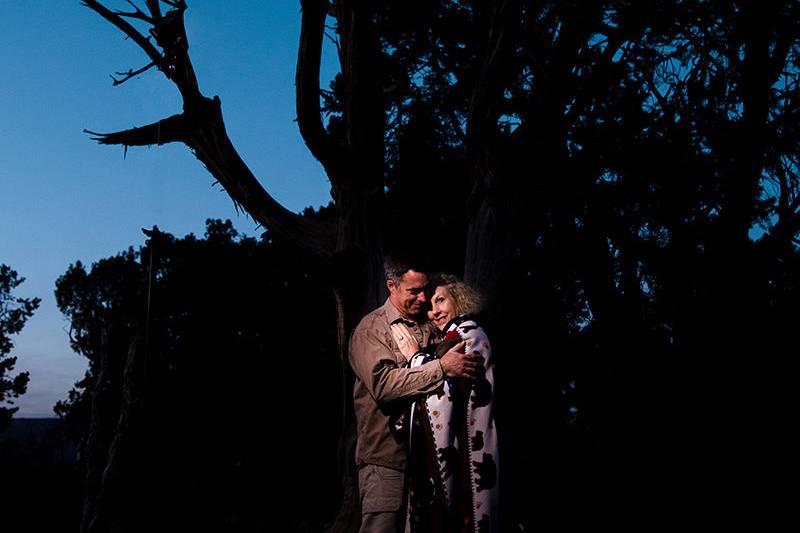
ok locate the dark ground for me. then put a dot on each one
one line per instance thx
(40, 480)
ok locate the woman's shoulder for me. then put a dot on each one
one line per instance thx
(465, 324)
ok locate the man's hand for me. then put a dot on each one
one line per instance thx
(405, 340)
(460, 365)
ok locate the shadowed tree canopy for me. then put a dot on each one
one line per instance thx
(619, 179)
(191, 398)
(14, 312)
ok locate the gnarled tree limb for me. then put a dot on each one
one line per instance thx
(172, 129)
(136, 13)
(155, 9)
(130, 74)
(307, 89)
(177, 4)
(202, 129)
(126, 28)
(211, 145)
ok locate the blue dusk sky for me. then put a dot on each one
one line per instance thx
(64, 198)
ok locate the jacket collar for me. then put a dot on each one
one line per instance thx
(393, 315)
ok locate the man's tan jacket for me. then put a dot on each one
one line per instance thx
(385, 386)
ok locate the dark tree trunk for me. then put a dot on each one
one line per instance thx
(490, 233)
(358, 191)
(115, 427)
(96, 439)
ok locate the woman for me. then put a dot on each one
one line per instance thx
(453, 453)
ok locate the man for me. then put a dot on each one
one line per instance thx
(384, 389)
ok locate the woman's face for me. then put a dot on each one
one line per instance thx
(442, 307)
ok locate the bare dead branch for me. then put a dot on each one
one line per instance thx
(177, 4)
(170, 34)
(211, 145)
(205, 135)
(129, 30)
(202, 129)
(172, 129)
(136, 13)
(155, 9)
(131, 73)
(134, 16)
(335, 42)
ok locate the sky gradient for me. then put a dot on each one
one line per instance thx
(64, 198)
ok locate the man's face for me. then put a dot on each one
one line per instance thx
(408, 293)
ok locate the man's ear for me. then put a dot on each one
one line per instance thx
(390, 284)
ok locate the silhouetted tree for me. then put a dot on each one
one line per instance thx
(14, 312)
(197, 397)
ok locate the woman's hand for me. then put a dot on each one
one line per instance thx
(405, 340)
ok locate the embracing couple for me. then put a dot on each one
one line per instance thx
(426, 447)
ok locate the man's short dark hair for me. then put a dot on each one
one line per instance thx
(398, 263)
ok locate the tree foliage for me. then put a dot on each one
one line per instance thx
(14, 312)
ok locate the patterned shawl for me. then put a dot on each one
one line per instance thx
(453, 458)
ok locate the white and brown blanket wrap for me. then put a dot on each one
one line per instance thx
(456, 447)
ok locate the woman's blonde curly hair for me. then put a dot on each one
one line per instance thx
(466, 300)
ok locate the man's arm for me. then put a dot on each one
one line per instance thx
(455, 363)
(373, 362)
